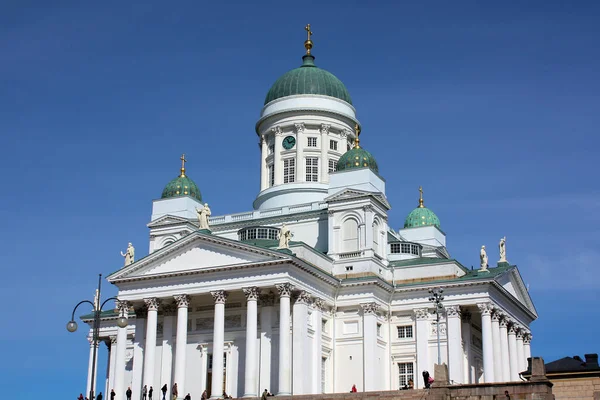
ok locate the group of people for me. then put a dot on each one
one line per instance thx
(147, 394)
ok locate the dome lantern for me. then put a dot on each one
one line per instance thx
(421, 216)
(357, 157)
(182, 185)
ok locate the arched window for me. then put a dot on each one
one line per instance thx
(350, 235)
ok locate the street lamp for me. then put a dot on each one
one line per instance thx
(436, 298)
(72, 326)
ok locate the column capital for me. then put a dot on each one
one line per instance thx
(453, 312)
(183, 300)
(267, 299)
(512, 329)
(319, 304)
(277, 131)
(325, 129)
(519, 333)
(485, 308)
(421, 313)
(219, 296)
(152, 303)
(113, 339)
(285, 289)
(303, 297)
(466, 316)
(344, 133)
(370, 308)
(123, 307)
(496, 315)
(503, 321)
(251, 293)
(299, 127)
(527, 338)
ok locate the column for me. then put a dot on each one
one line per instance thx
(219, 296)
(123, 307)
(324, 155)
(150, 347)
(266, 322)
(520, 352)
(138, 352)
(486, 338)
(183, 301)
(107, 381)
(504, 349)
(112, 364)
(422, 335)
(344, 142)
(466, 333)
(299, 337)
(250, 382)
(370, 370)
(166, 369)
(455, 353)
(527, 348)
(512, 352)
(264, 172)
(319, 304)
(277, 163)
(496, 345)
(90, 367)
(300, 144)
(285, 361)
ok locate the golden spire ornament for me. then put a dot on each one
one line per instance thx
(308, 44)
(357, 139)
(421, 197)
(183, 161)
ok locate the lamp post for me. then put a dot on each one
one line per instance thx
(436, 298)
(72, 327)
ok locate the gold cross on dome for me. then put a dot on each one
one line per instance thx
(308, 31)
(183, 161)
(421, 197)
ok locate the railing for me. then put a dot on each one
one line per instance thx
(245, 216)
(352, 254)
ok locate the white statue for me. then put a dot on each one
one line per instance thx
(502, 247)
(129, 254)
(203, 214)
(284, 237)
(483, 258)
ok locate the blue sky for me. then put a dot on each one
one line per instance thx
(493, 108)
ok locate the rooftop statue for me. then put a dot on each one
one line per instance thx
(284, 237)
(203, 215)
(483, 258)
(129, 254)
(502, 247)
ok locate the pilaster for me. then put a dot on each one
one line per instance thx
(370, 370)
(455, 352)
(299, 339)
(422, 335)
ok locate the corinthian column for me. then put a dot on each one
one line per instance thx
(466, 332)
(324, 155)
(277, 163)
(264, 173)
(486, 338)
(150, 347)
(370, 370)
(455, 353)
(285, 354)
(300, 144)
(183, 302)
(91, 366)
(527, 347)
(123, 308)
(496, 345)
(422, 335)
(250, 383)
(504, 349)
(266, 321)
(299, 338)
(317, 365)
(512, 351)
(520, 352)
(219, 296)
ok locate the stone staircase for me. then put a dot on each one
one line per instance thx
(416, 394)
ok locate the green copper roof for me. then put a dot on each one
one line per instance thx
(181, 186)
(421, 216)
(357, 158)
(308, 79)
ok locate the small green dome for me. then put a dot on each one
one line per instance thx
(421, 216)
(181, 186)
(308, 79)
(357, 158)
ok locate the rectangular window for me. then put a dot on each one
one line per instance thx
(405, 248)
(289, 170)
(405, 332)
(395, 248)
(312, 142)
(271, 175)
(378, 330)
(405, 373)
(332, 165)
(350, 268)
(414, 249)
(312, 169)
(332, 145)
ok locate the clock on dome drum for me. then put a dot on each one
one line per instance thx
(289, 142)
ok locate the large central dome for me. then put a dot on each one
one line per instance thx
(308, 79)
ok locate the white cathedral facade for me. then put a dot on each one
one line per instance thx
(341, 300)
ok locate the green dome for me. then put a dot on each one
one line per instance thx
(181, 186)
(308, 79)
(357, 158)
(421, 216)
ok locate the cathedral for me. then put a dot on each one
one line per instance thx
(311, 291)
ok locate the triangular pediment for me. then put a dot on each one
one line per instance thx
(167, 220)
(354, 194)
(197, 252)
(512, 282)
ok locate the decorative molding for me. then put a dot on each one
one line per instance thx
(319, 304)
(219, 296)
(466, 317)
(277, 131)
(442, 328)
(183, 300)
(325, 129)
(370, 308)
(453, 312)
(152, 303)
(251, 293)
(421, 313)
(113, 340)
(344, 133)
(512, 329)
(267, 299)
(527, 338)
(303, 297)
(123, 307)
(503, 321)
(485, 308)
(285, 289)
(496, 315)
(299, 127)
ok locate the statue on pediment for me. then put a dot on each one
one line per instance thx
(502, 248)
(203, 216)
(483, 258)
(129, 255)
(285, 235)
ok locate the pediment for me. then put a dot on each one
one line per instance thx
(196, 252)
(512, 282)
(354, 194)
(167, 220)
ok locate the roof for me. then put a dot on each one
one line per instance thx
(357, 158)
(421, 216)
(571, 364)
(181, 186)
(308, 79)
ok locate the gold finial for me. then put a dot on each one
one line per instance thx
(421, 197)
(357, 139)
(308, 44)
(183, 161)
